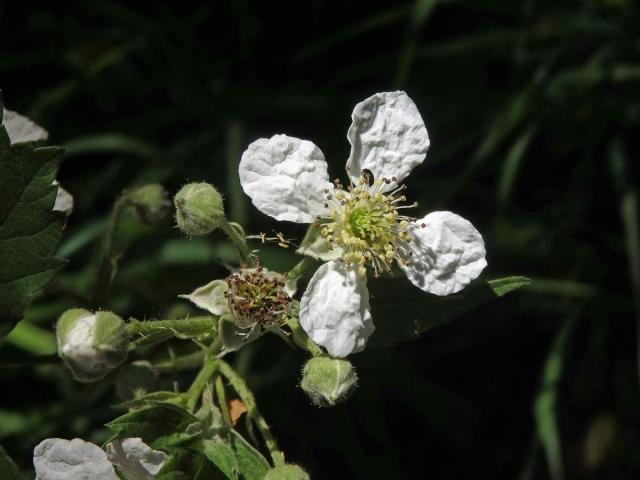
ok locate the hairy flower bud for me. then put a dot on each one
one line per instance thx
(91, 344)
(328, 381)
(151, 203)
(286, 472)
(199, 209)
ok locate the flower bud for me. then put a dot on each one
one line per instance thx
(328, 381)
(151, 203)
(91, 344)
(199, 209)
(286, 472)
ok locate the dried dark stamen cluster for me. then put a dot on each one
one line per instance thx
(257, 299)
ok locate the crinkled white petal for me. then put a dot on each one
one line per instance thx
(58, 459)
(286, 178)
(334, 310)
(64, 200)
(211, 297)
(20, 129)
(387, 136)
(448, 253)
(135, 459)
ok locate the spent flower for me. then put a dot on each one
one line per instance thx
(248, 301)
(363, 227)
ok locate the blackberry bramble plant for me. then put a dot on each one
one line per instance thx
(357, 235)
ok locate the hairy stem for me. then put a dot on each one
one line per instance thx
(209, 368)
(239, 241)
(222, 400)
(108, 260)
(301, 268)
(184, 362)
(249, 400)
(300, 337)
(189, 327)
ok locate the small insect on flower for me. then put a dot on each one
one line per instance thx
(362, 226)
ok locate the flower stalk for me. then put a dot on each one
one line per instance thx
(249, 400)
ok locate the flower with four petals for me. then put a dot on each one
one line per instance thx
(362, 226)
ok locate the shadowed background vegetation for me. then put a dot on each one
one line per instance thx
(533, 110)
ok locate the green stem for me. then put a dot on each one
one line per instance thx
(189, 327)
(239, 241)
(184, 362)
(222, 400)
(209, 368)
(108, 260)
(300, 338)
(301, 268)
(249, 400)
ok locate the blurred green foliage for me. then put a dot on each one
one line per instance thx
(533, 110)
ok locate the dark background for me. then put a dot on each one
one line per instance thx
(532, 109)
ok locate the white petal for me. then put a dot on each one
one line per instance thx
(135, 459)
(387, 136)
(211, 297)
(334, 310)
(286, 178)
(64, 200)
(58, 459)
(448, 253)
(20, 129)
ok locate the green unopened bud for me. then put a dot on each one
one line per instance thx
(328, 381)
(286, 472)
(151, 203)
(91, 344)
(199, 209)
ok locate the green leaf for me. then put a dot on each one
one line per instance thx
(8, 469)
(233, 455)
(545, 405)
(222, 455)
(252, 464)
(188, 465)
(153, 423)
(113, 143)
(29, 229)
(406, 313)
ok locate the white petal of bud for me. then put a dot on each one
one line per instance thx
(20, 129)
(58, 459)
(135, 459)
(64, 200)
(91, 344)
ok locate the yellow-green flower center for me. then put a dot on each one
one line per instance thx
(365, 223)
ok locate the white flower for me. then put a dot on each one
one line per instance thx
(362, 226)
(135, 459)
(58, 459)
